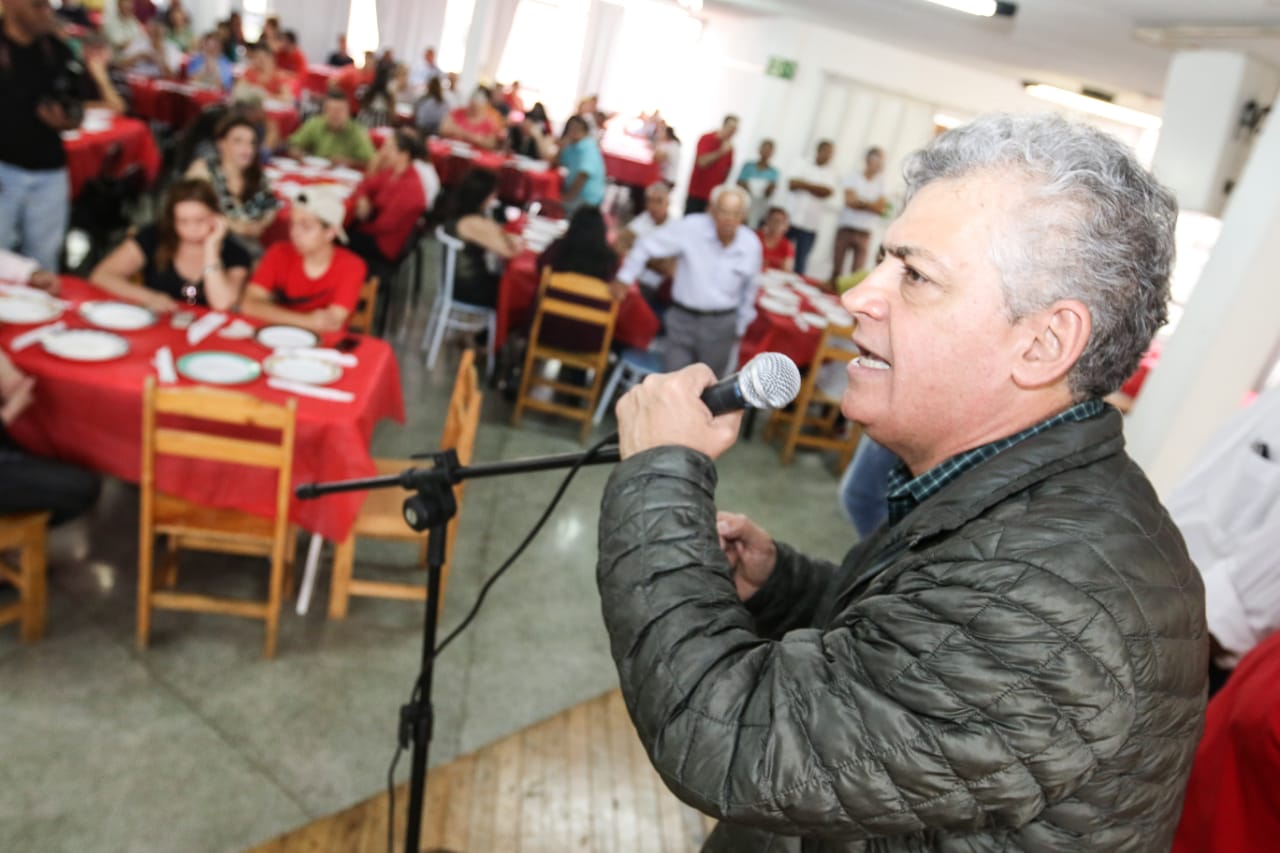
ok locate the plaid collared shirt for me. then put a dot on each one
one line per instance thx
(906, 493)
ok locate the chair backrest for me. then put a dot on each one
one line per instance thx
(558, 285)
(361, 319)
(448, 260)
(460, 426)
(215, 406)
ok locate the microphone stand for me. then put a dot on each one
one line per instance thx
(430, 508)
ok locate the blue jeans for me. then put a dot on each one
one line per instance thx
(804, 241)
(34, 206)
(864, 488)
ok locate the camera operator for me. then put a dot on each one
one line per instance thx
(42, 92)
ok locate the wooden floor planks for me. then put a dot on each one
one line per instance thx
(579, 781)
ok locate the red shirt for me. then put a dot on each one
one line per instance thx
(706, 178)
(291, 60)
(280, 271)
(398, 201)
(1231, 804)
(776, 258)
(484, 126)
(278, 85)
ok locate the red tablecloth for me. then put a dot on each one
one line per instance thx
(91, 414)
(630, 170)
(771, 332)
(178, 104)
(636, 325)
(86, 151)
(515, 186)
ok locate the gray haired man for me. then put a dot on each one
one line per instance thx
(1017, 659)
(714, 289)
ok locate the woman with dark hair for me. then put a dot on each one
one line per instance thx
(186, 257)
(584, 249)
(243, 191)
(468, 220)
(378, 103)
(431, 109)
(530, 137)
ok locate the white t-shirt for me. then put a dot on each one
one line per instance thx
(805, 208)
(867, 190)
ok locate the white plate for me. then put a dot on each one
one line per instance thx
(284, 162)
(84, 345)
(780, 293)
(782, 309)
(276, 337)
(299, 368)
(316, 162)
(118, 316)
(219, 368)
(812, 320)
(24, 309)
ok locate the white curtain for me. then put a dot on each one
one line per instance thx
(502, 14)
(318, 23)
(409, 27)
(604, 25)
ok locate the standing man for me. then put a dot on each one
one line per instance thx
(42, 92)
(760, 179)
(425, 71)
(1017, 659)
(584, 182)
(864, 204)
(812, 185)
(714, 293)
(712, 164)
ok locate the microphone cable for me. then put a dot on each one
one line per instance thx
(416, 694)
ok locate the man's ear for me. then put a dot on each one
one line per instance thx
(1053, 342)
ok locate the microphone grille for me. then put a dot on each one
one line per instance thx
(769, 381)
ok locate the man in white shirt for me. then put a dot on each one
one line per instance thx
(864, 203)
(1228, 509)
(423, 72)
(713, 295)
(657, 212)
(811, 186)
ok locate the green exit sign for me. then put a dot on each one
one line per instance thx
(779, 67)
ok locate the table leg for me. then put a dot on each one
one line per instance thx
(309, 573)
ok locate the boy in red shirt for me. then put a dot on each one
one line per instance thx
(308, 281)
(712, 165)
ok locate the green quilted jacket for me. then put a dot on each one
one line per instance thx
(1019, 664)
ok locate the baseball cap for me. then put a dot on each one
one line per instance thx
(324, 205)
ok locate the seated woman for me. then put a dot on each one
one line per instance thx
(530, 137)
(186, 257)
(308, 281)
(431, 109)
(244, 195)
(477, 123)
(779, 252)
(584, 249)
(468, 220)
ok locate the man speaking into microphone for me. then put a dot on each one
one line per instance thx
(1016, 660)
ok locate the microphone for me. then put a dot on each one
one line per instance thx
(768, 381)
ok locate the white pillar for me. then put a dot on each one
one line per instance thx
(477, 37)
(1228, 333)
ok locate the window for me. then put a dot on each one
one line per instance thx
(362, 29)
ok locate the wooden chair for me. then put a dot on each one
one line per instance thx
(381, 518)
(189, 525)
(805, 427)
(361, 320)
(552, 303)
(25, 534)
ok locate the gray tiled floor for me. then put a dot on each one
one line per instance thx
(199, 744)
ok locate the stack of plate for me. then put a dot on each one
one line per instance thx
(24, 308)
(118, 316)
(84, 345)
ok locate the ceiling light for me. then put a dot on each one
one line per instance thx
(1089, 104)
(981, 8)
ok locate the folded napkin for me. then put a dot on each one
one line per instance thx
(205, 326)
(26, 339)
(332, 356)
(163, 361)
(304, 390)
